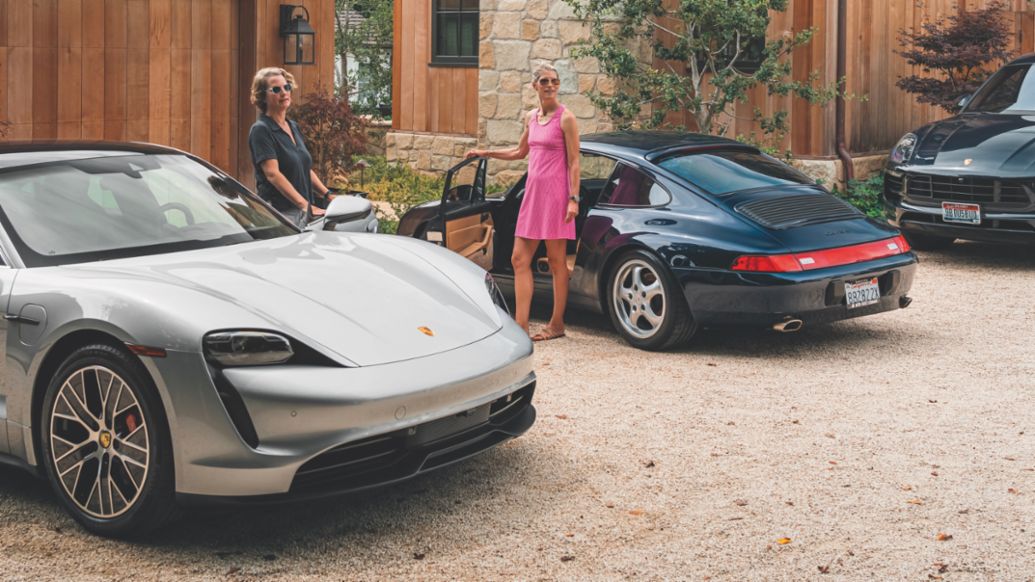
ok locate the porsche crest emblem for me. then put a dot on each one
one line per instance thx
(426, 331)
(105, 439)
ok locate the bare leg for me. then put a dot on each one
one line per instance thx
(521, 259)
(557, 254)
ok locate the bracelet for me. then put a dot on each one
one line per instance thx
(574, 199)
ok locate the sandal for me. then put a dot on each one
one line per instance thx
(547, 334)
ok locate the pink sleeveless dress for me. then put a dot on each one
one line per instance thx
(546, 187)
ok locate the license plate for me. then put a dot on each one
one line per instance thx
(862, 293)
(961, 213)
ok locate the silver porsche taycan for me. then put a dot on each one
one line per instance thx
(169, 338)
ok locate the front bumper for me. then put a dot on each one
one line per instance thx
(728, 298)
(1001, 227)
(301, 412)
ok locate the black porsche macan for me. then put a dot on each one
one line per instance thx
(679, 230)
(971, 176)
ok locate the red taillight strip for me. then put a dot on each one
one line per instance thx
(822, 259)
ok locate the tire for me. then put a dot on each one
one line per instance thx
(927, 242)
(645, 304)
(106, 444)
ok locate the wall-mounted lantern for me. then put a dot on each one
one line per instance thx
(299, 37)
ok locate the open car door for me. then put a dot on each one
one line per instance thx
(464, 224)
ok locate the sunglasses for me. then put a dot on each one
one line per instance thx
(276, 90)
(544, 82)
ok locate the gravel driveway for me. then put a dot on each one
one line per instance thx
(898, 446)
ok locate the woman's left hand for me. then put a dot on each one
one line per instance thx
(573, 211)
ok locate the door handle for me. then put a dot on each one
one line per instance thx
(21, 319)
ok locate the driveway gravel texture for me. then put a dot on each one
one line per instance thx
(895, 447)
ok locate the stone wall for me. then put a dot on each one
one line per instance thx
(516, 35)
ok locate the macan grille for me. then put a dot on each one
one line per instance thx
(1006, 194)
(893, 184)
(790, 211)
(403, 453)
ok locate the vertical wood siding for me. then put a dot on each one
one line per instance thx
(173, 72)
(426, 98)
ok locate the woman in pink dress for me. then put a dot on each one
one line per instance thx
(551, 200)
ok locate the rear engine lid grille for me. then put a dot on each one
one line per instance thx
(784, 212)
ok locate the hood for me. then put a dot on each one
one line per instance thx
(979, 143)
(362, 297)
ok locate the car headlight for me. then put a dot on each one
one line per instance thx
(495, 293)
(247, 348)
(903, 150)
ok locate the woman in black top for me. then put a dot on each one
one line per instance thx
(283, 166)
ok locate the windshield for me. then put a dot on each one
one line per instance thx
(112, 207)
(1011, 90)
(722, 172)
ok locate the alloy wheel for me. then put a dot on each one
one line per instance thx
(639, 299)
(100, 442)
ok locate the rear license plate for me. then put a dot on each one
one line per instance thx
(862, 293)
(961, 213)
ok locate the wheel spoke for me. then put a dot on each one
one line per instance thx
(90, 421)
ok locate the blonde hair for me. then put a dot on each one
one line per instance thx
(542, 68)
(261, 82)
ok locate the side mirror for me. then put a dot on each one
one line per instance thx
(963, 101)
(346, 209)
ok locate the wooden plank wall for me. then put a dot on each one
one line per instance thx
(428, 99)
(876, 124)
(164, 71)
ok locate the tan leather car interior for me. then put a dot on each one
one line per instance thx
(471, 237)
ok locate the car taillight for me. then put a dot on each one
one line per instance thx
(808, 261)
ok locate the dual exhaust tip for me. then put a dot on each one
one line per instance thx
(793, 324)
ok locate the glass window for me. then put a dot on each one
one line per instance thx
(131, 205)
(722, 172)
(455, 32)
(631, 187)
(1012, 89)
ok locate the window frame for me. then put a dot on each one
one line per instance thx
(460, 61)
(651, 176)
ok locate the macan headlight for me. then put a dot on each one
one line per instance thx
(903, 150)
(247, 348)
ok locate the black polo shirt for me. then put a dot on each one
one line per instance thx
(268, 141)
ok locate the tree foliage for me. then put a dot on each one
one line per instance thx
(713, 53)
(333, 132)
(363, 33)
(963, 50)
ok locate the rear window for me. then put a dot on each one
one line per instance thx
(722, 172)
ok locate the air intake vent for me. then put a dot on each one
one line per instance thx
(791, 211)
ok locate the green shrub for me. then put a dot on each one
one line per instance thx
(865, 195)
(397, 187)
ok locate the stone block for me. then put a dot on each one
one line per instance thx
(569, 79)
(403, 140)
(514, 5)
(486, 55)
(506, 26)
(587, 83)
(529, 97)
(826, 171)
(502, 132)
(530, 29)
(866, 166)
(581, 106)
(488, 80)
(508, 176)
(605, 85)
(547, 48)
(487, 104)
(510, 55)
(485, 23)
(510, 106)
(560, 10)
(423, 161)
(587, 65)
(511, 81)
(573, 31)
(548, 29)
(538, 9)
(443, 146)
(423, 142)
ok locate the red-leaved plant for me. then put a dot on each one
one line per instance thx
(963, 49)
(332, 131)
